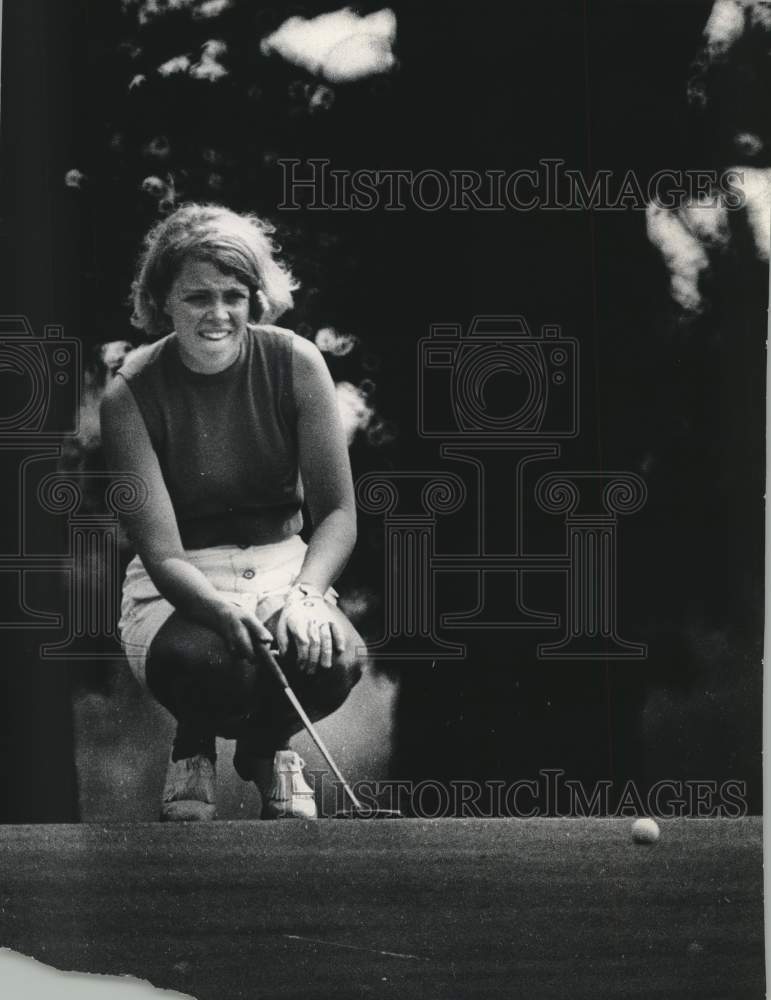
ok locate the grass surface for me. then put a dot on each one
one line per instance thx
(439, 909)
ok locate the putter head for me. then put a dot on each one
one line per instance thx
(368, 813)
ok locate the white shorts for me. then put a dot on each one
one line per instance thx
(257, 577)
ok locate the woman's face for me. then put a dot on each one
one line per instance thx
(209, 311)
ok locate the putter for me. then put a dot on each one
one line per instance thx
(357, 810)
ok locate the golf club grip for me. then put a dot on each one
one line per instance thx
(270, 659)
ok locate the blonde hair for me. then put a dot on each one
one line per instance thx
(237, 244)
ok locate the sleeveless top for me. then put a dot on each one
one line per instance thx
(227, 442)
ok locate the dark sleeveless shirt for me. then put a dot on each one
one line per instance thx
(227, 442)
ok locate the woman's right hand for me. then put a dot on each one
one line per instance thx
(241, 631)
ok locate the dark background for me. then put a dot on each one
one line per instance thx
(677, 399)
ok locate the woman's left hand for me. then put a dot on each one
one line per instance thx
(308, 622)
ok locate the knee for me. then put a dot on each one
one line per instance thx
(196, 660)
(333, 685)
(177, 656)
(349, 665)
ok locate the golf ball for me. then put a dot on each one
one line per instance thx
(645, 831)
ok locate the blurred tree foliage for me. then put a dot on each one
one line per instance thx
(151, 138)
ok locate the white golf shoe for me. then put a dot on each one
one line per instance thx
(289, 796)
(189, 794)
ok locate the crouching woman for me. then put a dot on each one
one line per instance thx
(231, 423)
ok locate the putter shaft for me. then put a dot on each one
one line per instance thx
(280, 676)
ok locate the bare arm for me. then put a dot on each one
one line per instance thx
(325, 469)
(326, 474)
(154, 531)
